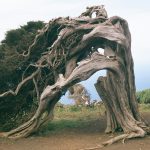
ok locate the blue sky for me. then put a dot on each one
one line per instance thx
(14, 13)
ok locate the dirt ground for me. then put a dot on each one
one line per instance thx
(74, 139)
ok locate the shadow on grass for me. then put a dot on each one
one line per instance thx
(58, 126)
(74, 119)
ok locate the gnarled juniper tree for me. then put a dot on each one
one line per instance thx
(67, 51)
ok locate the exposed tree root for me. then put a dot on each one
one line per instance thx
(74, 45)
(24, 130)
(29, 127)
(123, 137)
(141, 133)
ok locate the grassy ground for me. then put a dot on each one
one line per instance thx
(75, 128)
(72, 117)
(74, 112)
(144, 107)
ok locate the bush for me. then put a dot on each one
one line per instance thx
(14, 110)
(143, 97)
(75, 108)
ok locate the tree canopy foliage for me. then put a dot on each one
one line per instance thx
(12, 66)
(65, 52)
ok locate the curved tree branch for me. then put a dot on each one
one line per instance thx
(20, 85)
(71, 55)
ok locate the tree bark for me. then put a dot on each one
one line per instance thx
(73, 57)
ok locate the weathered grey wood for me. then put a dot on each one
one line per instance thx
(72, 57)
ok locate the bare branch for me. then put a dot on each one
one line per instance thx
(37, 89)
(20, 85)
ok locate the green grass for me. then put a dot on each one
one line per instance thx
(144, 107)
(58, 126)
(72, 117)
(74, 112)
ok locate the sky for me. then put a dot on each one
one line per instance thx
(14, 13)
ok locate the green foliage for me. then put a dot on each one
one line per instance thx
(75, 108)
(33, 26)
(12, 64)
(18, 109)
(22, 36)
(143, 96)
(13, 36)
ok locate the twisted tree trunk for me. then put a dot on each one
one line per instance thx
(117, 91)
(72, 57)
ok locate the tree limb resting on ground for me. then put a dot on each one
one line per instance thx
(71, 55)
